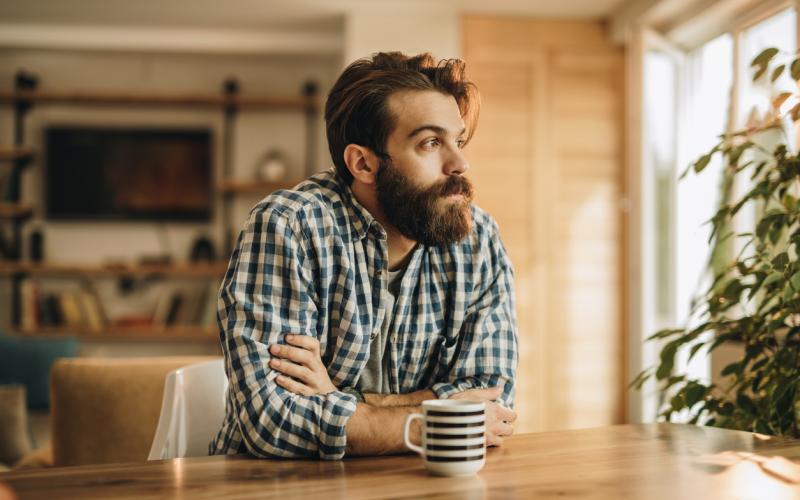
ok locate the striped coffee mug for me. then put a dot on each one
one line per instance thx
(453, 442)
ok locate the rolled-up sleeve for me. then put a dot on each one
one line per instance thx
(268, 292)
(487, 355)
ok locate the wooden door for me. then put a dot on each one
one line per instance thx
(547, 164)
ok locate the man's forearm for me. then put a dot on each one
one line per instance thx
(408, 399)
(373, 430)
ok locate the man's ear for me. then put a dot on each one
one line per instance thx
(361, 162)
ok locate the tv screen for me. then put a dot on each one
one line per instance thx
(137, 174)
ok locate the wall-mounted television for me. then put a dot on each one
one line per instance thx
(146, 174)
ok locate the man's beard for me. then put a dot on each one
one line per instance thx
(419, 213)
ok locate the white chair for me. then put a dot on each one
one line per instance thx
(191, 412)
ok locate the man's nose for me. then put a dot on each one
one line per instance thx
(456, 163)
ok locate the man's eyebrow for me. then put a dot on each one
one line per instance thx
(433, 128)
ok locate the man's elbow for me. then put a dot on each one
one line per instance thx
(269, 437)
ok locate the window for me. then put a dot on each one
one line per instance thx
(690, 97)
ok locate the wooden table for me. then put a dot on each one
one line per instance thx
(632, 461)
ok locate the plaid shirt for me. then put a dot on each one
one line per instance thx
(312, 260)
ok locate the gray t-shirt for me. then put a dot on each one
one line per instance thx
(374, 376)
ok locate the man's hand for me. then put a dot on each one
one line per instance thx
(498, 417)
(301, 366)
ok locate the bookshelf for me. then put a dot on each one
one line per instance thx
(231, 186)
(15, 154)
(126, 334)
(179, 270)
(24, 275)
(276, 103)
(15, 211)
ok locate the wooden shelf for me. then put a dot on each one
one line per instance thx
(254, 187)
(15, 154)
(128, 334)
(162, 99)
(15, 211)
(188, 270)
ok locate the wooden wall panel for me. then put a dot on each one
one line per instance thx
(547, 164)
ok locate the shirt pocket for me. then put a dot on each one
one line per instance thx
(420, 357)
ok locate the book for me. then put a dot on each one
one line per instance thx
(71, 308)
(29, 298)
(162, 307)
(175, 306)
(93, 314)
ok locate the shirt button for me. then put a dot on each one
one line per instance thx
(379, 273)
(394, 338)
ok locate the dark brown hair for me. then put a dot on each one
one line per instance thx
(357, 110)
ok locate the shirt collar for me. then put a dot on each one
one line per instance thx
(360, 218)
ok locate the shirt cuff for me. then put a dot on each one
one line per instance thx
(444, 390)
(355, 393)
(333, 436)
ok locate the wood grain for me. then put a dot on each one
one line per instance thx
(651, 461)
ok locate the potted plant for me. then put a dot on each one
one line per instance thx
(753, 301)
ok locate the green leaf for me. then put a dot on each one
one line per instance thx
(761, 427)
(666, 332)
(736, 153)
(695, 348)
(758, 74)
(640, 379)
(772, 278)
(735, 367)
(677, 402)
(732, 291)
(788, 292)
(763, 58)
(746, 404)
(780, 261)
(795, 69)
(795, 280)
(790, 202)
(694, 393)
(775, 233)
(763, 227)
(777, 72)
(701, 163)
(667, 360)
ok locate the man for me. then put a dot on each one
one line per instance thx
(372, 287)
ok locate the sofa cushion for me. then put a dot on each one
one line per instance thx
(27, 361)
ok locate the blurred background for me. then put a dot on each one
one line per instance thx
(136, 136)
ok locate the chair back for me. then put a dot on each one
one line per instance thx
(191, 412)
(106, 410)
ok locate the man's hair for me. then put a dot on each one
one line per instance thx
(357, 110)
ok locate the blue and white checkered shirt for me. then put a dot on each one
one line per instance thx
(312, 260)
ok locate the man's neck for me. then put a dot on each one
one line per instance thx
(400, 247)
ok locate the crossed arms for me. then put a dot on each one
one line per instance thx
(296, 410)
(376, 427)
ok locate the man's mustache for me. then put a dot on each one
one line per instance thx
(455, 184)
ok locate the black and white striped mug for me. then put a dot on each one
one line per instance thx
(453, 442)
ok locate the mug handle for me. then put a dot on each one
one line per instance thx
(406, 430)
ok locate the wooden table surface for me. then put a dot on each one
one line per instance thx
(648, 461)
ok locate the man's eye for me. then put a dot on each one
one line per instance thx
(460, 143)
(431, 142)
